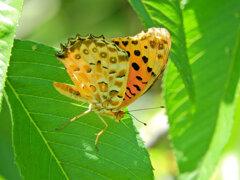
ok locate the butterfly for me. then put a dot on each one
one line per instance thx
(110, 75)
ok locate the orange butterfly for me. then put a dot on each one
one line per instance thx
(110, 75)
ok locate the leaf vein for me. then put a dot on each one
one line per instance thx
(35, 125)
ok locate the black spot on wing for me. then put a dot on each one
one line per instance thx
(105, 67)
(139, 78)
(149, 69)
(121, 76)
(128, 53)
(137, 87)
(145, 59)
(116, 42)
(112, 72)
(135, 66)
(127, 95)
(153, 74)
(134, 42)
(130, 91)
(125, 43)
(137, 53)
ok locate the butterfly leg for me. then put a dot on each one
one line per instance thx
(98, 134)
(76, 117)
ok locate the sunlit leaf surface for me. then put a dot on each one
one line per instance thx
(9, 15)
(205, 34)
(37, 109)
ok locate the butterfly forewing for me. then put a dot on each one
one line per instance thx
(148, 54)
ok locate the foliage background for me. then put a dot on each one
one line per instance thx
(52, 22)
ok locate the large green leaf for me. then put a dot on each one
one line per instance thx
(206, 33)
(226, 113)
(37, 109)
(212, 54)
(9, 15)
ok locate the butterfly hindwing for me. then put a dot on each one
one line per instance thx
(98, 69)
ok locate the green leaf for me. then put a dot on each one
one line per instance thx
(212, 47)
(8, 167)
(168, 14)
(233, 145)
(37, 109)
(205, 56)
(1, 178)
(226, 113)
(9, 15)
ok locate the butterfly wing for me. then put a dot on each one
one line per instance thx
(148, 54)
(69, 91)
(98, 69)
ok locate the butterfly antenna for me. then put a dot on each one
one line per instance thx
(146, 109)
(145, 124)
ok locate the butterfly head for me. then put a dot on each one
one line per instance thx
(119, 115)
